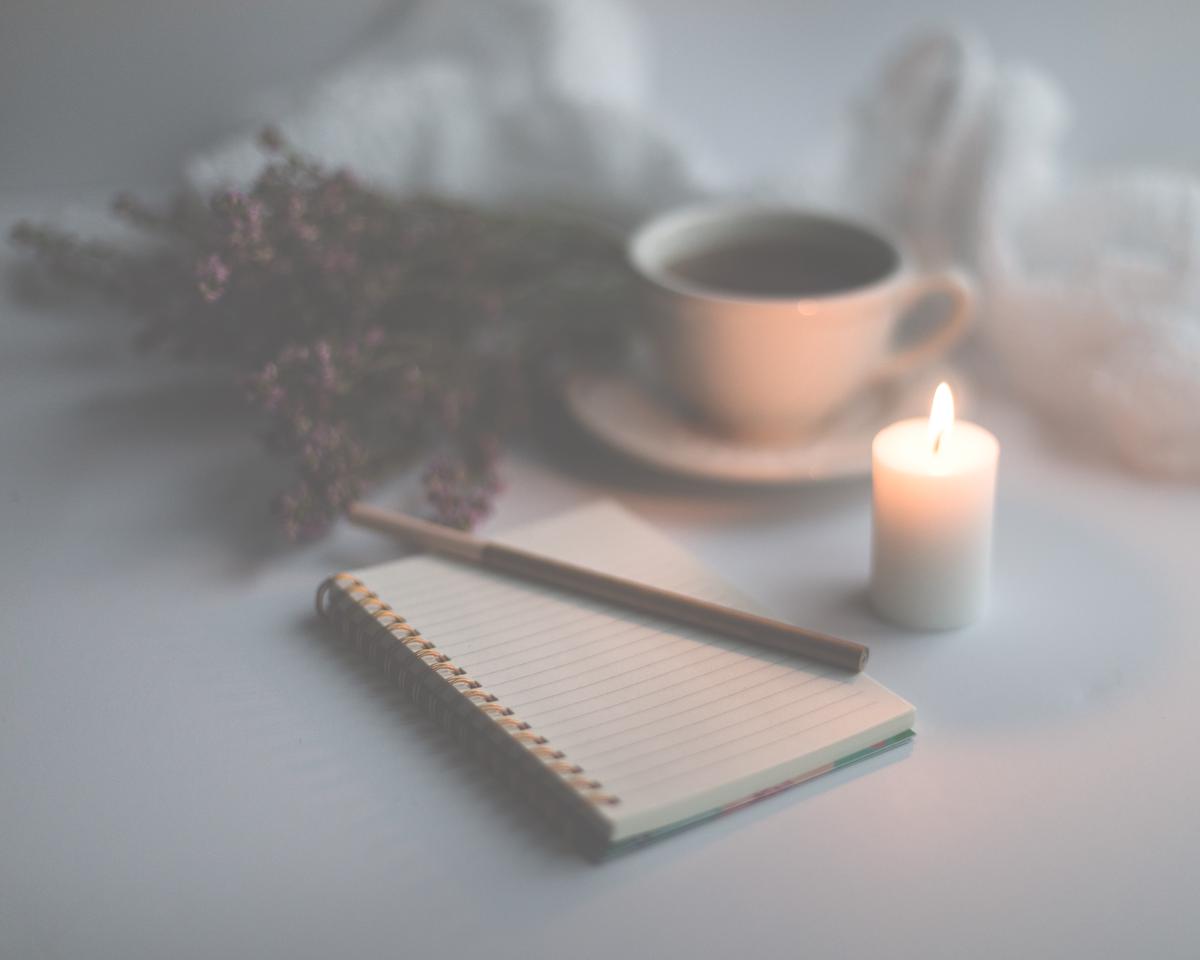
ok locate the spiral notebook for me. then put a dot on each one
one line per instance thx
(618, 727)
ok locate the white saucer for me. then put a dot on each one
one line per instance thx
(632, 417)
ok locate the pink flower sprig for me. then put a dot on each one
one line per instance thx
(366, 331)
(462, 485)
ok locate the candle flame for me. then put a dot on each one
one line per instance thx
(941, 416)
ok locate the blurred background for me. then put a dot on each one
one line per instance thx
(107, 93)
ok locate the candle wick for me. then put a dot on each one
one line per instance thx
(937, 441)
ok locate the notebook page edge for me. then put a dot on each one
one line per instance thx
(633, 822)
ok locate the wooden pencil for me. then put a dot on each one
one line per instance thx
(628, 593)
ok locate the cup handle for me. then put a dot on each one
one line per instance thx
(961, 291)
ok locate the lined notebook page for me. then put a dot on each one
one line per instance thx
(672, 720)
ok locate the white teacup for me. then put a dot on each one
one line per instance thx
(769, 319)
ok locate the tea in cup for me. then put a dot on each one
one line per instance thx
(767, 320)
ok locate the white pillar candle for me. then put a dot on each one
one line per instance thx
(933, 489)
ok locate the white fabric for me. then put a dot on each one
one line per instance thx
(1090, 289)
(501, 102)
(1094, 301)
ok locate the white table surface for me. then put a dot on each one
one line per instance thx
(189, 769)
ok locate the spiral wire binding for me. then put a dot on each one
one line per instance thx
(406, 634)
